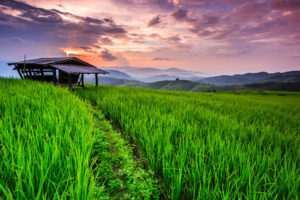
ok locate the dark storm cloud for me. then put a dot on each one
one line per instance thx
(106, 55)
(154, 21)
(41, 24)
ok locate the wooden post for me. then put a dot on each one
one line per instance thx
(42, 71)
(70, 82)
(82, 80)
(96, 77)
(54, 76)
(20, 73)
(26, 74)
(24, 71)
(30, 73)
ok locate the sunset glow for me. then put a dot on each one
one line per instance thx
(72, 51)
(214, 37)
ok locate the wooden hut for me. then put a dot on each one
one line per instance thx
(64, 71)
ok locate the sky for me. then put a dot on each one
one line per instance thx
(209, 36)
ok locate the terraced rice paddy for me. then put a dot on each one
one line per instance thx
(237, 145)
(53, 146)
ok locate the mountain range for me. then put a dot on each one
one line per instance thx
(240, 79)
(185, 80)
(289, 81)
(149, 74)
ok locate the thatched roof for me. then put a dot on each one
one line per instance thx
(71, 69)
(70, 65)
(44, 61)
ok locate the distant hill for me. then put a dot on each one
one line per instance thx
(117, 74)
(240, 79)
(149, 74)
(155, 85)
(165, 77)
(281, 86)
(292, 76)
(214, 88)
(111, 81)
(186, 85)
(286, 81)
(182, 85)
(162, 77)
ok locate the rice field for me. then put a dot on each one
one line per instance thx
(45, 143)
(53, 147)
(234, 145)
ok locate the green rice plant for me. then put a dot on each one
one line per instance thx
(231, 145)
(45, 143)
(54, 146)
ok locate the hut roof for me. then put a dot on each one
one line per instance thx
(73, 69)
(63, 63)
(43, 61)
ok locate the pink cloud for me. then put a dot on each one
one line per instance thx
(195, 32)
(286, 4)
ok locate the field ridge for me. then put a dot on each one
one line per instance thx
(127, 177)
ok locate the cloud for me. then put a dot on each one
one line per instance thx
(246, 22)
(250, 11)
(97, 46)
(286, 4)
(180, 14)
(173, 39)
(154, 21)
(205, 25)
(161, 59)
(106, 55)
(85, 48)
(105, 41)
(184, 29)
(38, 24)
(158, 4)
